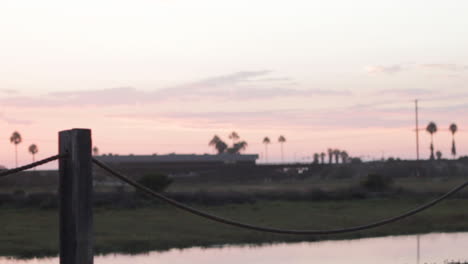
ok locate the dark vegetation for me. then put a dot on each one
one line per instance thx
(28, 232)
(377, 183)
(247, 184)
(157, 181)
(304, 196)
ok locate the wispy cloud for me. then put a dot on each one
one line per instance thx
(383, 114)
(236, 86)
(350, 117)
(404, 92)
(9, 91)
(445, 67)
(14, 121)
(451, 68)
(382, 69)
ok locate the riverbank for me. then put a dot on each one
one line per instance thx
(29, 232)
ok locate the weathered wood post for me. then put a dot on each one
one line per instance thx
(76, 201)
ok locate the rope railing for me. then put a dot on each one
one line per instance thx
(32, 165)
(269, 229)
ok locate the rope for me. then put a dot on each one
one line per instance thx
(275, 230)
(32, 165)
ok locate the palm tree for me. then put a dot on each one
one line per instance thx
(439, 155)
(431, 129)
(337, 153)
(344, 156)
(95, 151)
(234, 136)
(214, 140)
(221, 147)
(330, 156)
(218, 144)
(281, 140)
(266, 141)
(237, 147)
(33, 150)
(16, 139)
(316, 158)
(453, 128)
(322, 157)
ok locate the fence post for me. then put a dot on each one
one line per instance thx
(76, 202)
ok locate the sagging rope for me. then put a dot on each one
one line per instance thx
(32, 165)
(274, 230)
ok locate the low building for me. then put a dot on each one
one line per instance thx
(177, 163)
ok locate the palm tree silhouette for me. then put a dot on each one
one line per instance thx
(237, 147)
(281, 140)
(16, 139)
(218, 144)
(234, 136)
(33, 150)
(95, 151)
(337, 153)
(322, 157)
(431, 129)
(316, 158)
(330, 156)
(266, 141)
(344, 156)
(453, 128)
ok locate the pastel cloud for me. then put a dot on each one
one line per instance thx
(9, 91)
(237, 86)
(445, 67)
(391, 69)
(405, 92)
(350, 117)
(14, 121)
(397, 68)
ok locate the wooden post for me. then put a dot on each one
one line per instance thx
(76, 201)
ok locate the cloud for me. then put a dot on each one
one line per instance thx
(445, 67)
(231, 79)
(349, 117)
(9, 91)
(381, 69)
(452, 68)
(14, 121)
(405, 92)
(237, 86)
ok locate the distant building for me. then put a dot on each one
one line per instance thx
(177, 163)
(173, 159)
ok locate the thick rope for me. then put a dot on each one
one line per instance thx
(275, 230)
(32, 165)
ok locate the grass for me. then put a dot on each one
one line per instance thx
(28, 232)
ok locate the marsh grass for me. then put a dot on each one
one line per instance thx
(27, 232)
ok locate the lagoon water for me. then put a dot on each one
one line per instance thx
(433, 248)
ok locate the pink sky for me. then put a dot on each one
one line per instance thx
(165, 76)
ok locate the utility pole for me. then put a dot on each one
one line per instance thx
(417, 129)
(418, 170)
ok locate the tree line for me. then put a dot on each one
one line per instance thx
(240, 145)
(333, 155)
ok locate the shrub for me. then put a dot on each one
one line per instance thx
(156, 182)
(377, 182)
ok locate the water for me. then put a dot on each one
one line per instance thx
(433, 248)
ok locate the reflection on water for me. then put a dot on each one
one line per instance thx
(430, 248)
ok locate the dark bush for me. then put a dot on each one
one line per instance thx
(156, 182)
(376, 182)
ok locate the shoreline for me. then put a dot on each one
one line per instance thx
(30, 232)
